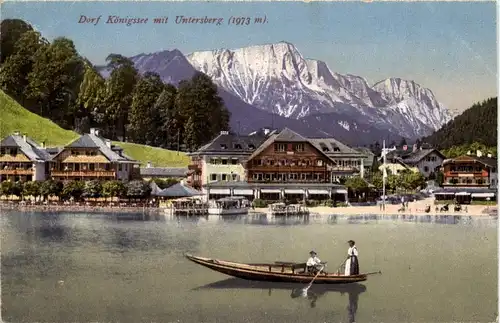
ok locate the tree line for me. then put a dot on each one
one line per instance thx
(478, 124)
(78, 190)
(54, 81)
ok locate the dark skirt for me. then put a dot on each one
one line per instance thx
(354, 265)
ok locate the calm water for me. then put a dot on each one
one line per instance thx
(100, 268)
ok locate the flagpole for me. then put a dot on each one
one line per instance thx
(384, 174)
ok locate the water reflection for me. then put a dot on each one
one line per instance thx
(297, 291)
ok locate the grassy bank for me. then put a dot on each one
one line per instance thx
(14, 117)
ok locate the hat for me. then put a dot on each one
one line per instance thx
(351, 241)
(312, 252)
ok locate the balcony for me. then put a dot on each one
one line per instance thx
(293, 181)
(18, 171)
(464, 174)
(58, 173)
(288, 169)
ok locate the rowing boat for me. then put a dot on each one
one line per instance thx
(274, 272)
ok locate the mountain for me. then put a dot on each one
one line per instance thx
(476, 124)
(173, 67)
(276, 78)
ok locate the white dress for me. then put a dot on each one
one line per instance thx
(352, 251)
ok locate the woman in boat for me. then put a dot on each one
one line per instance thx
(352, 264)
(313, 264)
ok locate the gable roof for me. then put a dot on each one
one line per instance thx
(286, 135)
(369, 155)
(28, 147)
(329, 146)
(113, 153)
(419, 154)
(230, 143)
(488, 161)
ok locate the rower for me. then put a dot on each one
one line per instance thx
(313, 264)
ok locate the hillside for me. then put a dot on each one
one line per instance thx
(14, 117)
(476, 124)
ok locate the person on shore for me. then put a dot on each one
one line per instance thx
(313, 264)
(352, 264)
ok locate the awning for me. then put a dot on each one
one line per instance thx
(270, 190)
(483, 194)
(340, 191)
(318, 192)
(222, 191)
(239, 191)
(444, 193)
(294, 191)
(463, 193)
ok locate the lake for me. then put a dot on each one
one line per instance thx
(74, 267)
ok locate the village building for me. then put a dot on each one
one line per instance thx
(222, 159)
(348, 161)
(91, 157)
(164, 173)
(284, 165)
(427, 161)
(22, 159)
(469, 177)
(368, 159)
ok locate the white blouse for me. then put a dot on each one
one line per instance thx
(353, 251)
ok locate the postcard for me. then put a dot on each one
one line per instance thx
(192, 161)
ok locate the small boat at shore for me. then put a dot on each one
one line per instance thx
(234, 205)
(286, 272)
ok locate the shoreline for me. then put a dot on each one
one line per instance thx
(391, 210)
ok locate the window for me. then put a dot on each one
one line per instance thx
(223, 146)
(234, 177)
(213, 161)
(92, 167)
(280, 147)
(251, 146)
(119, 167)
(237, 146)
(224, 177)
(426, 169)
(319, 162)
(213, 177)
(299, 147)
(234, 161)
(224, 161)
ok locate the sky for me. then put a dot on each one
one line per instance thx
(448, 47)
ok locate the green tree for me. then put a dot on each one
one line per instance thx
(73, 189)
(357, 185)
(11, 30)
(93, 188)
(377, 180)
(394, 182)
(91, 95)
(439, 178)
(31, 188)
(113, 188)
(51, 188)
(6, 188)
(169, 121)
(55, 80)
(202, 111)
(119, 88)
(165, 183)
(16, 67)
(138, 189)
(413, 180)
(143, 117)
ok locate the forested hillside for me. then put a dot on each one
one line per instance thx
(53, 80)
(478, 124)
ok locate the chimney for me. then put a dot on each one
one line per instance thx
(149, 165)
(490, 155)
(479, 153)
(25, 138)
(92, 131)
(42, 144)
(108, 142)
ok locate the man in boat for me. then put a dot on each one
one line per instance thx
(351, 263)
(313, 264)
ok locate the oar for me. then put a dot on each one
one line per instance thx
(312, 281)
(373, 273)
(343, 262)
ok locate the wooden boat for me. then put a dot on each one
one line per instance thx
(276, 272)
